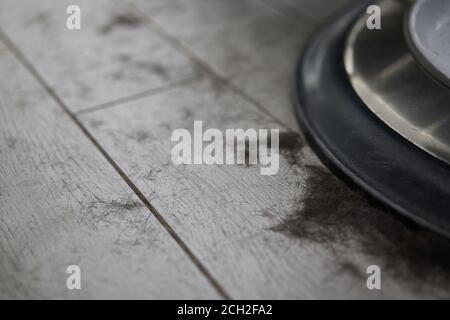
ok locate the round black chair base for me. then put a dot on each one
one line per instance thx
(356, 144)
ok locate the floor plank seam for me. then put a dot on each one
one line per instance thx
(138, 96)
(29, 67)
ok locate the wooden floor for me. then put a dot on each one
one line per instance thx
(86, 177)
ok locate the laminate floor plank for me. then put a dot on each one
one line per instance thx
(298, 234)
(61, 203)
(113, 56)
(247, 42)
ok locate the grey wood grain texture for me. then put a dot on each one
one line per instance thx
(299, 234)
(124, 58)
(247, 42)
(61, 203)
